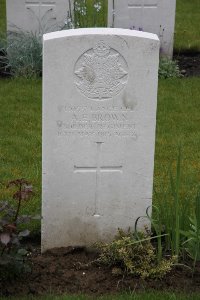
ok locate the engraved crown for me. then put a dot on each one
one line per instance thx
(101, 49)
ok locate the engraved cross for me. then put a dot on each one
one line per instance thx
(142, 5)
(98, 169)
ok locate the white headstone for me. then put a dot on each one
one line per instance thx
(156, 16)
(99, 119)
(37, 16)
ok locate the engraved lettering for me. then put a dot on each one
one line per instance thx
(86, 122)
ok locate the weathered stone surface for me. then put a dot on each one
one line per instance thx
(156, 16)
(99, 119)
(37, 16)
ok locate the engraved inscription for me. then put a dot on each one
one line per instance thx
(82, 122)
(101, 73)
(98, 170)
(143, 4)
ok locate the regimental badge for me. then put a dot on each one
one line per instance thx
(101, 73)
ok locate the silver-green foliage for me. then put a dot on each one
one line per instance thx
(24, 54)
(168, 68)
(3, 58)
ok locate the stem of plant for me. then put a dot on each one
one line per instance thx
(159, 242)
(177, 205)
(19, 204)
(70, 10)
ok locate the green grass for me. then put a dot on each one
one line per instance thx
(178, 122)
(20, 135)
(187, 33)
(131, 296)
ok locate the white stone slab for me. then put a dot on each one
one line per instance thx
(37, 16)
(156, 16)
(99, 119)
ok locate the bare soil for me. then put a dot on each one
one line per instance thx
(73, 271)
(189, 64)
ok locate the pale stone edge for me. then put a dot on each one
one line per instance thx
(99, 31)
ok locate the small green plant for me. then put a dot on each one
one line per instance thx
(170, 215)
(12, 253)
(23, 55)
(192, 244)
(168, 68)
(134, 255)
(90, 13)
(156, 225)
(175, 187)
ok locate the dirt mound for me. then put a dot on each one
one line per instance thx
(73, 270)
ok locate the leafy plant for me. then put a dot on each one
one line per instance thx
(192, 244)
(23, 54)
(170, 215)
(12, 254)
(90, 13)
(168, 68)
(175, 186)
(134, 255)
